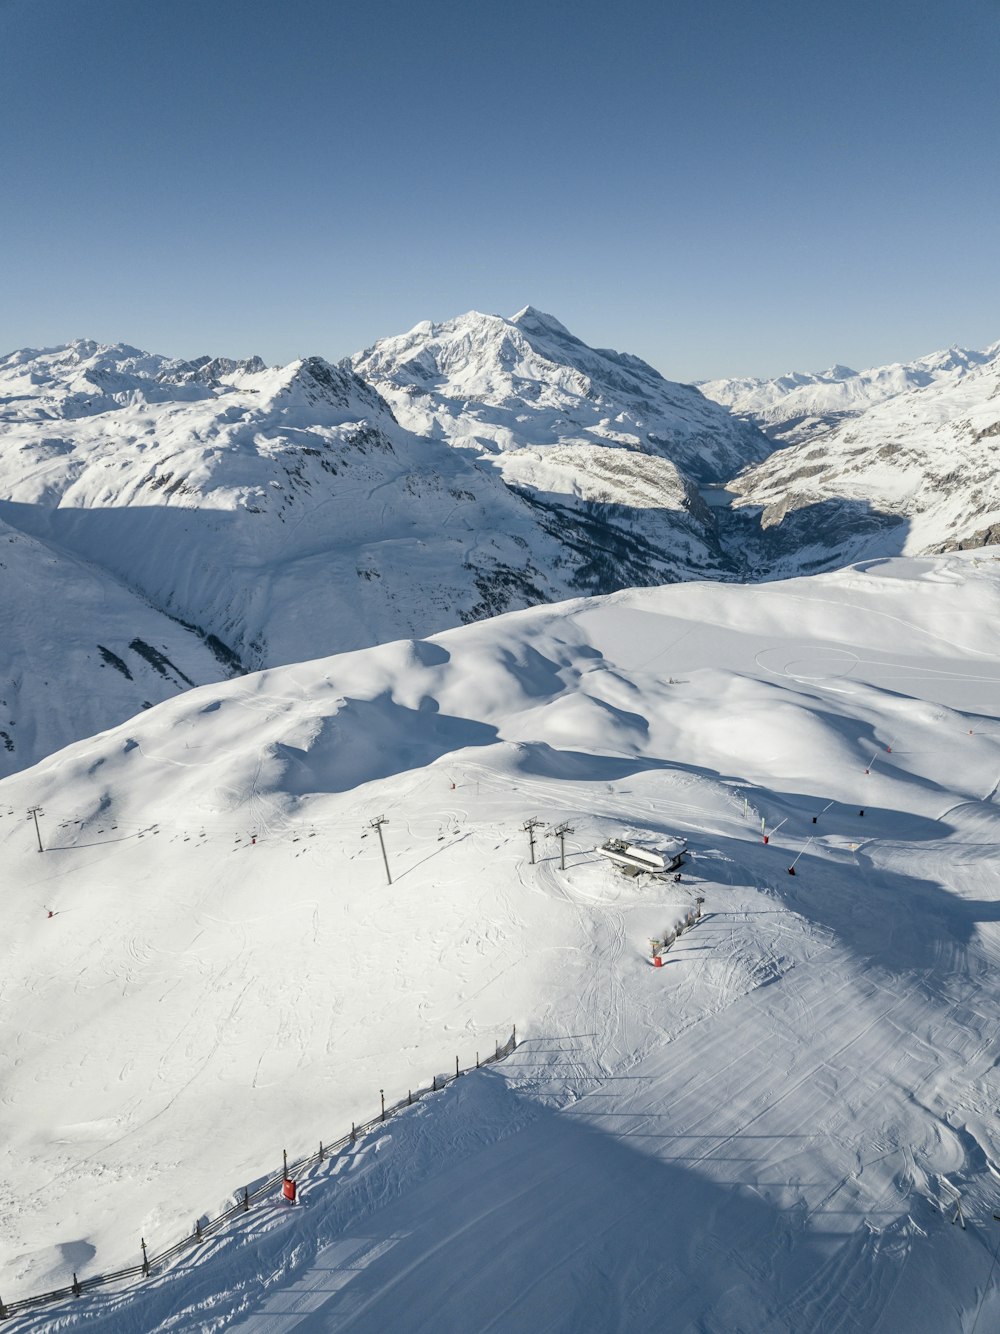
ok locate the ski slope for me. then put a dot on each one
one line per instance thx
(768, 1133)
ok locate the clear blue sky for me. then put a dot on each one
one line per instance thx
(722, 188)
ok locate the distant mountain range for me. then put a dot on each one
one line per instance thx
(166, 523)
(911, 467)
(798, 406)
(266, 516)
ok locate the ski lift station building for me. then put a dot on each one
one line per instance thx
(633, 860)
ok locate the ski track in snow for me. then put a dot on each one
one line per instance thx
(769, 1133)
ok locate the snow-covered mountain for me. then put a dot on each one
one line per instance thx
(284, 513)
(799, 406)
(918, 473)
(770, 1132)
(566, 422)
(80, 651)
(279, 514)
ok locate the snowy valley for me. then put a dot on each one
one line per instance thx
(282, 514)
(916, 473)
(484, 582)
(262, 516)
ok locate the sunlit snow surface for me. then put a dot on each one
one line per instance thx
(768, 1133)
(916, 473)
(238, 517)
(797, 406)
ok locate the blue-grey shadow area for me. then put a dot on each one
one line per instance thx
(484, 1210)
(825, 535)
(375, 738)
(898, 921)
(537, 759)
(846, 821)
(901, 922)
(607, 547)
(562, 1227)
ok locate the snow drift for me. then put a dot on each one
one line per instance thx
(786, 1111)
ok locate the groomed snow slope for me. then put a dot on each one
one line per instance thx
(766, 1134)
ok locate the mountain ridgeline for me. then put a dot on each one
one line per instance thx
(230, 516)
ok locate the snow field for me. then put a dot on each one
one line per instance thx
(766, 1133)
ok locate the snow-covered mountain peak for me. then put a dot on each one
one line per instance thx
(210, 370)
(501, 385)
(838, 372)
(533, 320)
(314, 383)
(499, 356)
(915, 472)
(77, 379)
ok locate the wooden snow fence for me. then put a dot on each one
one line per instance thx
(690, 919)
(267, 1188)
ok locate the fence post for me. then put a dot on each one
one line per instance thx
(146, 1267)
(434, 1083)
